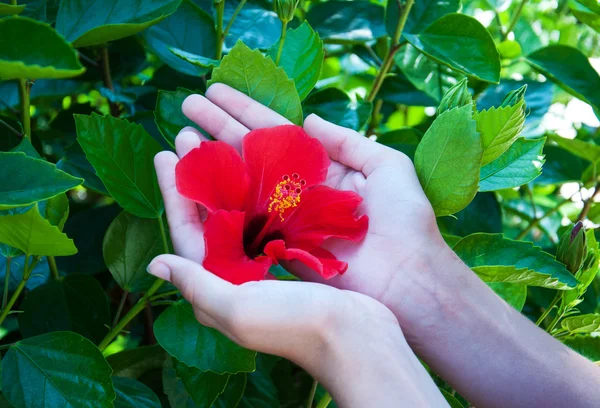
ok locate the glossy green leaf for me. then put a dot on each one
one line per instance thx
(250, 72)
(499, 128)
(483, 214)
(203, 387)
(129, 245)
(197, 60)
(34, 235)
(422, 14)
(233, 392)
(168, 115)
(519, 165)
(398, 89)
(47, 54)
(448, 159)
(10, 10)
(122, 154)
(425, 74)
(76, 303)
(254, 14)
(178, 332)
(334, 105)
(27, 180)
(135, 362)
(570, 69)
(587, 346)
(513, 293)
(451, 400)
(587, 11)
(356, 21)
(261, 390)
(60, 369)
(88, 22)
(76, 164)
(585, 150)
(301, 57)
(497, 259)
(588, 323)
(462, 43)
(133, 394)
(189, 29)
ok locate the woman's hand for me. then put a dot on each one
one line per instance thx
(349, 342)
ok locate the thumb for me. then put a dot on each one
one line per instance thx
(197, 285)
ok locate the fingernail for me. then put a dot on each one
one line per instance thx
(160, 270)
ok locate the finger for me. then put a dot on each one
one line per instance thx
(187, 140)
(349, 147)
(214, 120)
(244, 109)
(205, 291)
(182, 214)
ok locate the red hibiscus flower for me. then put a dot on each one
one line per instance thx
(268, 206)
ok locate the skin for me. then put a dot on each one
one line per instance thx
(490, 353)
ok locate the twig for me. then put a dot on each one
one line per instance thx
(107, 79)
(514, 20)
(588, 203)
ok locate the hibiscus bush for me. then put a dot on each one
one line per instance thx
(495, 101)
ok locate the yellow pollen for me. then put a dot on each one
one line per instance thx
(286, 195)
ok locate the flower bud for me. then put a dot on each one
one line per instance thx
(514, 97)
(455, 97)
(572, 248)
(285, 9)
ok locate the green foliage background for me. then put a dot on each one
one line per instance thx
(90, 91)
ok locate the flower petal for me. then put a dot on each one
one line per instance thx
(323, 213)
(225, 256)
(320, 260)
(214, 176)
(271, 153)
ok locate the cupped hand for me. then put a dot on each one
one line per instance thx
(390, 264)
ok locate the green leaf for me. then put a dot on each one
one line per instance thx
(425, 74)
(46, 55)
(260, 390)
(561, 166)
(497, 259)
(197, 60)
(136, 362)
(244, 28)
(462, 43)
(587, 11)
(10, 10)
(203, 387)
(233, 392)
(334, 105)
(514, 294)
(178, 332)
(483, 214)
(32, 234)
(422, 14)
(189, 29)
(356, 21)
(88, 22)
(451, 400)
(129, 245)
(122, 154)
(301, 57)
(60, 369)
(587, 346)
(570, 69)
(250, 72)
(458, 95)
(76, 303)
(39, 274)
(76, 164)
(499, 128)
(519, 165)
(588, 323)
(168, 115)
(585, 150)
(134, 394)
(448, 159)
(27, 180)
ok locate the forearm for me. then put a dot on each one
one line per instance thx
(490, 353)
(371, 365)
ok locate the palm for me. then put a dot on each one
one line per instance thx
(398, 210)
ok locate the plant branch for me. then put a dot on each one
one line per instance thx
(324, 402)
(231, 20)
(220, 8)
(394, 47)
(164, 294)
(588, 203)
(53, 268)
(554, 302)
(281, 41)
(12, 129)
(535, 222)
(311, 396)
(120, 308)
(24, 107)
(6, 282)
(514, 20)
(107, 79)
(17, 291)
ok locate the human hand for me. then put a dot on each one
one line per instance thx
(327, 331)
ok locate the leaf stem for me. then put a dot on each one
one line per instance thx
(17, 291)
(281, 41)
(13, 2)
(554, 302)
(53, 268)
(324, 402)
(120, 308)
(231, 20)
(514, 20)
(394, 47)
(311, 396)
(164, 294)
(588, 203)
(220, 8)
(12, 129)
(163, 234)
(534, 223)
(6, 282)
(25, 106)
(107, 79)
